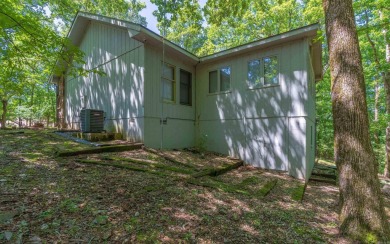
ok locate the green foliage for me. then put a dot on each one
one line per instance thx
(324, 117)
(371, 238)
(184, 27)
(69, 205)
(33, 43)
(202, 143)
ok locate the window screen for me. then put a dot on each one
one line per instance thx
(168, 82)
(213, 81)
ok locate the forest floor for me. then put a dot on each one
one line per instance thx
(44, 198)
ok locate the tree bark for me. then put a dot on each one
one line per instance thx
(362, 215)
(4, 114)
(31, 104)
(386, 80)
(376, 111)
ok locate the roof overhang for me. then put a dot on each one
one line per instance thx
(136, 31)
(82, 20)
(144, 35)
(147, 36)
(300, 33)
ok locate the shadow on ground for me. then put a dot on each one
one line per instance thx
(46, 198)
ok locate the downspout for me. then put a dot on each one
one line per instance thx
(162, 72)
(196, 106)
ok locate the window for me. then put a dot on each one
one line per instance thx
(185, 87)
(311, 136)
(254, 74)
(219, 80)
(271, 72)
(264, 72)
(213, 81)
(168, 82)
(224, 79)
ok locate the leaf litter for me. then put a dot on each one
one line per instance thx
(44, 198)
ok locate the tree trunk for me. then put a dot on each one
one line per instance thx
(4, 114)
(31, 104)
(376, 111)
(387, 165)
(386, 80)
(362, 213)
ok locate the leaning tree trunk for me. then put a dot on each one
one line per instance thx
(4, 102)
(361, 207)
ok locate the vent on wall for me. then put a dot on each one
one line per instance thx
(92, 120)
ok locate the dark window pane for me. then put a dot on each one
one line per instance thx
(213, 81)
(185, 88)
(225, 78)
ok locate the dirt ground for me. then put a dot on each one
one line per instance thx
(143, 198)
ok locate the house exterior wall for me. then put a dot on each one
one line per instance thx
(311, 118)
(267, 127)
(179, 130)
(120, 92)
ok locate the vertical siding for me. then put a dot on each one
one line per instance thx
(265, 126)
(179, 132)
(120, 91)
(311, 114)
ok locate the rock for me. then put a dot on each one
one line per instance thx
(386, 190)
(8, 235)
(35, 240)
(107, 235)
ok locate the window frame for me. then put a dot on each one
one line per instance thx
(219, 80)
(189, 86)
(262, 72)
(172, 81)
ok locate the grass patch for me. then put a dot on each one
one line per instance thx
(119, 148)
(69, 205)
(253, 180)
(218, 171)
(153, 165)
(298, 193)
(218, 185)
(267, 188)
(122, 166)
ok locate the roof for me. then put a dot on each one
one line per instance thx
(143, 34)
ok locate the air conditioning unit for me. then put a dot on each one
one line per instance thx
(92, 120)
